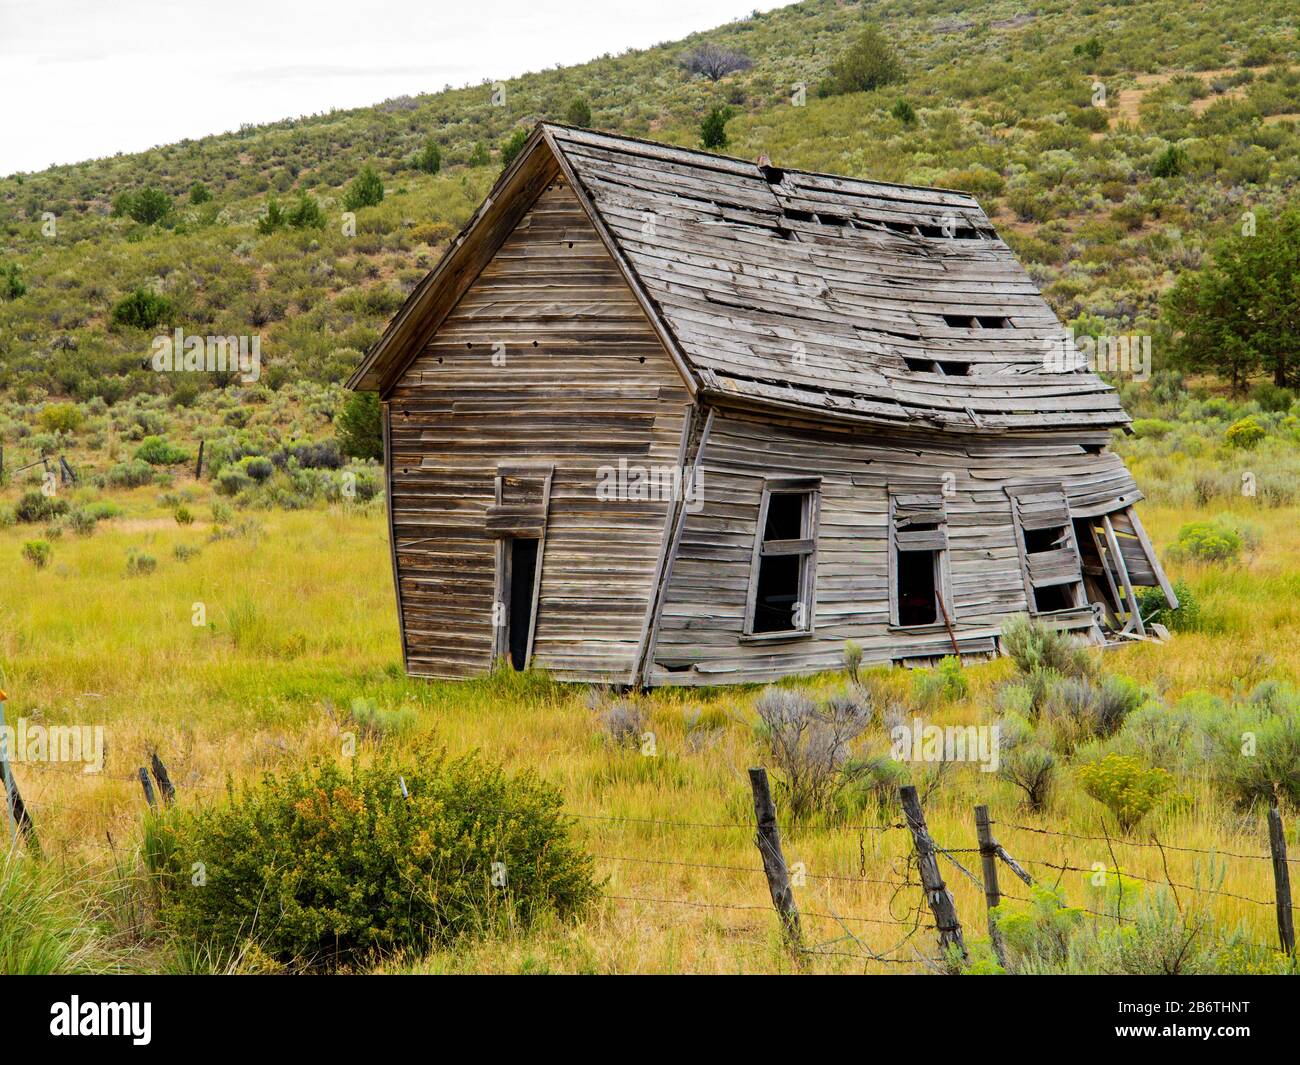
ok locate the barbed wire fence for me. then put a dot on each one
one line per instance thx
(917, 902)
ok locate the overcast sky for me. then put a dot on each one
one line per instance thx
(86, 78)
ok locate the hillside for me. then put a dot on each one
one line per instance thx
(1003, 108)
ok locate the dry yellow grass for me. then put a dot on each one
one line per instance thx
(300, 620)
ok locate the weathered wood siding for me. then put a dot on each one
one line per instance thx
(585, 382)
(699, 636)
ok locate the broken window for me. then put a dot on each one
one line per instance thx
(785, 558)
(918, 548)
(1049, 554)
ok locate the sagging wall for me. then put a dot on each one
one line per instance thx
(699, 637)
(547, 360)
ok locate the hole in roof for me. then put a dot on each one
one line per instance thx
(773, 175)
(799, 216)
(954, 369)
(959, 321)
(832, 220)
(919, 365)
(993, 321)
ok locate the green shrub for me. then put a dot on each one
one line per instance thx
(578, 113)
(183, 516)
(199, 194)
(713, 130)
(945, 683)
(1186, 618)
(904, 112)
(1125, 786)
(324, 866)
(377, 721)
(360, 426)
(366, 190)
(12, 285)
(1151, 428)
(38, 553)
(131, 474)
(232, 480)
(513, 147)
(142, 309)
(1169, 163)
(35, 507)
(156, 451)
(867, 64)
(1247, 432)
(140, 563)
(430, 158)
(1206, 541)
(306, 214)
(1035, 647)
(147, 206)
(60, 418)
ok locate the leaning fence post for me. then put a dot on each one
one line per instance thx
(769, 847)
(165, 786)
(936, 892)
(148, 788)
(1281, 882)
(992, 893)
(17, 809)
(198, 466)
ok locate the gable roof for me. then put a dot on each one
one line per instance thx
(832, 296)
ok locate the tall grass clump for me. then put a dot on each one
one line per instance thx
(43, 929)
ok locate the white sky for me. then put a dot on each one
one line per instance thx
(81, 79)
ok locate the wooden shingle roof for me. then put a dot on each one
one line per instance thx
(828, 295)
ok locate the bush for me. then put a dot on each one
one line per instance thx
(430, 158)
(38, 553)
(1206, 541)
(945, 683)
(366, 190)
(1169, 163)
(35, 507)
(869, 63)
(1125, 786)
(142, 309)
(904, 112)
(578, 112)
(1153, 608)
(305, 214)
(147, 206)
(183, 516)
(140, 563)
(1246, 433)
(809, 743)
(324, 867)
(156, 451)
(12, 285)
(513, 147)
(131, 474)
(232, 480)
(1035, 647)
(199, 194)
(713, 130)
(360, 426)
(60, 418)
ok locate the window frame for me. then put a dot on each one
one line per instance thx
(805, 547)
(1080, 591)
(946, 609)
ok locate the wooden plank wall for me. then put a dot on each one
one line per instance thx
(585, 383)
(704, 607)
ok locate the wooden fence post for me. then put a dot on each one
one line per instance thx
(936, 892)
(165, 786)
(1281, 882)
(17, 809)
(148, 788)
(992, 893)
(198, 466)
(769, 847)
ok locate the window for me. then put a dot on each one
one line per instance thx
(918, 558)
(783, 572)
(1049, 555)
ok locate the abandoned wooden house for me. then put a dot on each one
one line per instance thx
(664, 417)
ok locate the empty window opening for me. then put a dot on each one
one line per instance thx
(1053, 597)
(781, 595)
(917, 588)
(1050, 539)
(522, 576)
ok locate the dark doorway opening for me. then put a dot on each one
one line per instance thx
(523, 577)
(917, 588)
